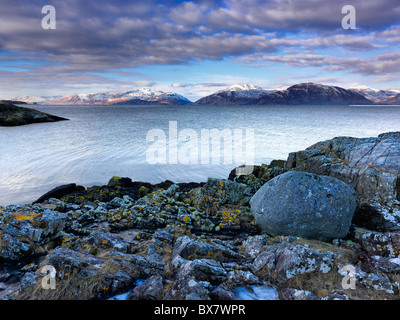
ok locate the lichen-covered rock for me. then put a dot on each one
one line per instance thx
(369, 165)
(187, 288)
(305, 205)
(98, 241)
(295, 294)
(254, 245)
(217, 192)
(204, 270)
(62, 259)
(259, 175)
(143, 268)
(285, 260)
(12, 249)
(20, 234)
(54, 221)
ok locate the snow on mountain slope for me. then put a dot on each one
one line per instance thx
(247, 90)
(35, 99)
(374, 94)
(140, 96)
(236, 94)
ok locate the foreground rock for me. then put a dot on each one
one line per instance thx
(197, 241)
(369, 165)
(157, 247)
(11, 115)
(305, 205)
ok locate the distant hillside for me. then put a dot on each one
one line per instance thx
(299, 94)
(34, 99)
(377, 96)
(142, 96)
(237, 94)
(313, 94)
(392, 100)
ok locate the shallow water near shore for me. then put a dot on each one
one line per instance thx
(102, 141)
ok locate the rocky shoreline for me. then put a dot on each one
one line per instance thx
(12, 115)
(205, 241)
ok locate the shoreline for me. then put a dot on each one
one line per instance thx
(201, 241)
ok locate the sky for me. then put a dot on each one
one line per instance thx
(195, 48)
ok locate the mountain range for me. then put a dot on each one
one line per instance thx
(141, 96)
(247, 94)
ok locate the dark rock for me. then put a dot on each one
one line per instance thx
(11, 115)
(29, 280)
(377, 218)
(305, 205)
(120, 182)
(144, 268)
(59, 192)
(61, 258)
(259, 175)
(151, 289)
(192, 249)
(222, 293)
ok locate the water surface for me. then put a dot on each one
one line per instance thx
(102, 141)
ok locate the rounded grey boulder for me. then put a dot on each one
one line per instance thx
(305, 205)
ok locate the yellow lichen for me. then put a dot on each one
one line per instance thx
(22, 216)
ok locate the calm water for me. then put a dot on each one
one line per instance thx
(102, 141)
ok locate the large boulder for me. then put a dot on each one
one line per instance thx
(305, 205)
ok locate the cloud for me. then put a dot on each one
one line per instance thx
(99, 36)
(382, 64)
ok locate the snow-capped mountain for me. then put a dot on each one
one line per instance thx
(393, 100)
(374, 94)
(35, 99)
(313, 94)
(299, 94)
(140, 96)
(236, 94)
